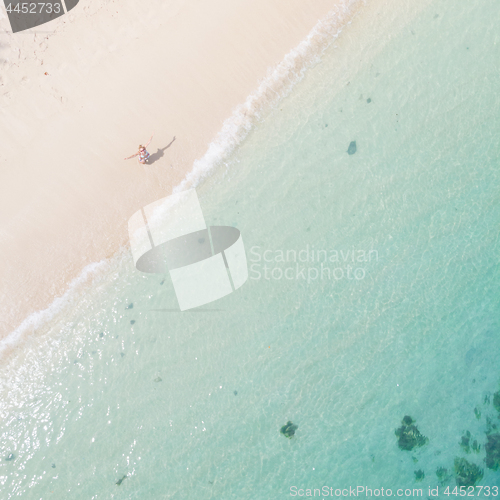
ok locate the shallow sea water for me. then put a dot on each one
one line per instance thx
(189, 405)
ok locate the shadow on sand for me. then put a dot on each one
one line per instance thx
(159, 153)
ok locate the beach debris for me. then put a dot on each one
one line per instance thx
(101, 335)
(443, 475)
(122, 354)
(120, 481)
(467, 474)
(369, 100)
(235, 393)
(158, 379)
(132, 321)
(493, 452)
(419, 475)
(408, 435)
(130, 306)
(352, 148)
(288, 430)
(10, 457)
(162, 282)
(53, 466)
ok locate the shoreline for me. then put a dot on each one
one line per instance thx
(55, 203)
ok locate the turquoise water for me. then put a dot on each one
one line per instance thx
(189, 405)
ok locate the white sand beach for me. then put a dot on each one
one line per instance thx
(80, 93)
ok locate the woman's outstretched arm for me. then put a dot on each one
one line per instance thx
(147, 143)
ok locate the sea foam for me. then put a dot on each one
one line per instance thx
(38, 318)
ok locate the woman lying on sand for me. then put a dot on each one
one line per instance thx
(142, 153)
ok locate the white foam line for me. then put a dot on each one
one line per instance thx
(272, 89)
(36, 319)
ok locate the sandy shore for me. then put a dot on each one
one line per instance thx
(79, 94)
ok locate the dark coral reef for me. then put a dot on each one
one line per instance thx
(467, 474)
(288, 430)
(493, 452)
(465, 443)
(443, 475)
(408, 435)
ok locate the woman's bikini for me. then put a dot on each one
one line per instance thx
(143, 155)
